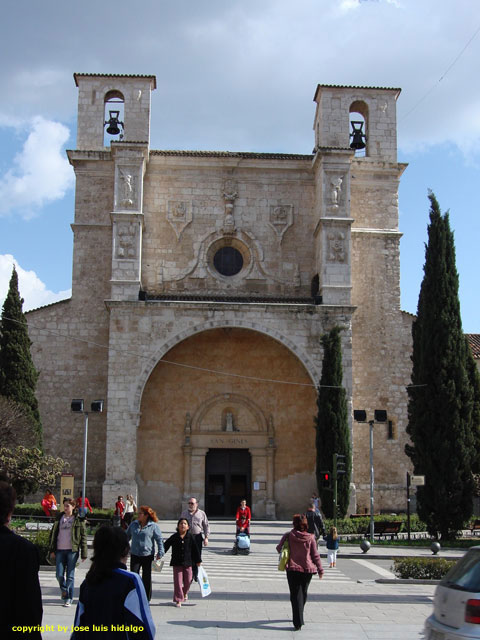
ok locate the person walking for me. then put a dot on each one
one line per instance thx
(332, 546)
(119, 512)
(110, 596)
(145, 534)
(20, 595)
(315, 521)
(83, 505)
(68, 539)
(199, 527)
(303, 562)
(130, 509)
(185, 555)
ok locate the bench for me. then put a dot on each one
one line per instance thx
(474, 526)
(385, 529)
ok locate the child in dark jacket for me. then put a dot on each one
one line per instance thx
(332, 546)
(184, 555)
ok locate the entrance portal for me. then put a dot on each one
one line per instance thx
(227, 480)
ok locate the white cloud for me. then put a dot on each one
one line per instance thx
(41, 173)
(32, 289)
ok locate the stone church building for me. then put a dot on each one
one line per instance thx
(202, 284)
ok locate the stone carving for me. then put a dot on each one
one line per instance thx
(230, 194)
(126, 241)
(281, 218)
(336, 246)
(336, 191)
(229, 422)
(127, 191)
(179, 215)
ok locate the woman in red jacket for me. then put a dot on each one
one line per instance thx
(304, 561)
(243, 517)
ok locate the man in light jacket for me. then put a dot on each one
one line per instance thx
(199, 527)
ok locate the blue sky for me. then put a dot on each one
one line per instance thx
(238, 75)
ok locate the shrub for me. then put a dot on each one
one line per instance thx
(422, 568)
(41, 540)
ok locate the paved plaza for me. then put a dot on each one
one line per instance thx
(250, 596)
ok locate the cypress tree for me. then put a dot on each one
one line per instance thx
(18, 375)
(440, 408)
(331, 424)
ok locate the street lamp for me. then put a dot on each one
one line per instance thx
(77, 407)
(380, 415)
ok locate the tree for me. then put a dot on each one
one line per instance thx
(16, 426)
(331, 424)
(441, 398)
(18, 376)
(29, 469)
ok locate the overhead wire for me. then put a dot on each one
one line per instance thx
(447, 70)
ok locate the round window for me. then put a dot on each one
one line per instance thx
(228, 261)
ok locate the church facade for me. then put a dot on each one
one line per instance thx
(202, 284)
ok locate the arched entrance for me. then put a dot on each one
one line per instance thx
(188, 412)
(227, 480)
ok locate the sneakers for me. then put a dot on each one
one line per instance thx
(64, 594)
(68, 603)
(178, 604)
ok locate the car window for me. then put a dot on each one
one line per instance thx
(466, 573)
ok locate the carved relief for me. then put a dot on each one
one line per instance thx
(230, 195)
(127, 190)
(336, 191)
(336, 246)
(126, 240)
(179, 215)
(281, 218)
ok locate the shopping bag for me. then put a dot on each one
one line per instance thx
(284, 556)
(157, 565)
(203, 582)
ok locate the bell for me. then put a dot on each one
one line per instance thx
(113, 128)
(358, 141)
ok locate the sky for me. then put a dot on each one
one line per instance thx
(238, 75)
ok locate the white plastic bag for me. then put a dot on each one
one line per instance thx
(203, 582)
(157, 565)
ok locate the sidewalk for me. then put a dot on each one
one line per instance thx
(250, 597)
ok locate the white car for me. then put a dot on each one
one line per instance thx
(456, 613)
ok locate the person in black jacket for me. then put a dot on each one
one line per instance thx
(315, 521)
(112, 600)
(20, 595)
(185, 554)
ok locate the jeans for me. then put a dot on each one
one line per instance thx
(66, 560)
(298, 584)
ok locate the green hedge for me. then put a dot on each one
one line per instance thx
(35, 509)
(360, 525)
(41, 540)
(422, 568)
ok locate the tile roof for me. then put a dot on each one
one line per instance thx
(233, 154)
(474, 342)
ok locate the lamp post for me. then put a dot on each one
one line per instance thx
(380, 415)
(77, 407)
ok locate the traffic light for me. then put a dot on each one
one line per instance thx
(325, 479)
(340, 465)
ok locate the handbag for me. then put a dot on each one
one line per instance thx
(284, 556)
(203, 582)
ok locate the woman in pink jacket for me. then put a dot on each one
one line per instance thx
(303, 563)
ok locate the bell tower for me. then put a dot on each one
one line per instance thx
(96, 91)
